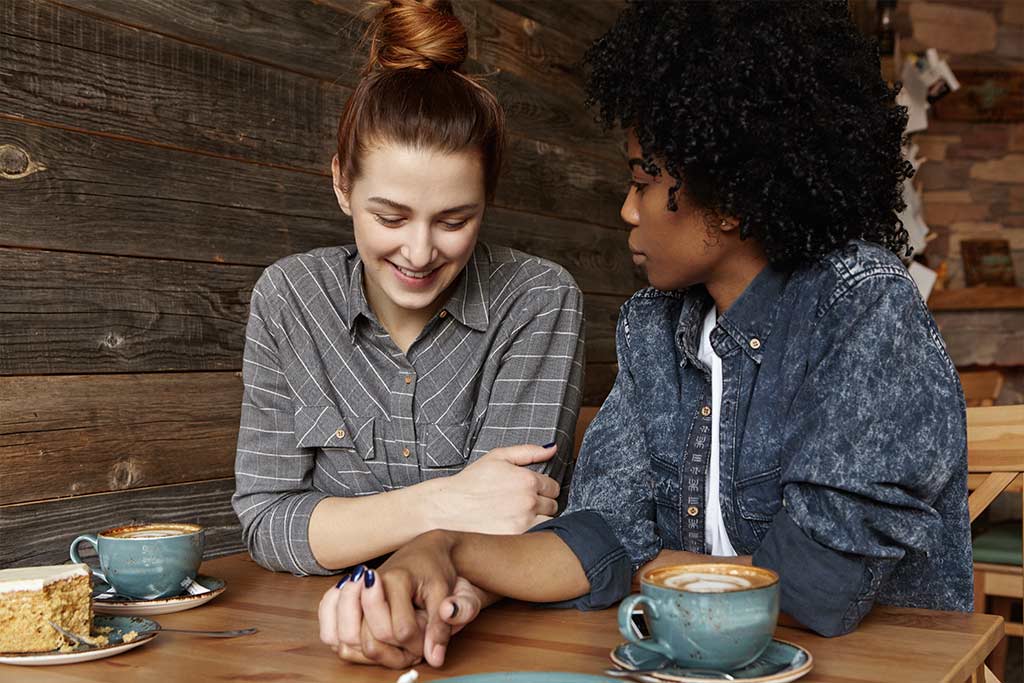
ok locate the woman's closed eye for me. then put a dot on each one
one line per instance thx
(453, 224)
(638, 186)
(388, 221)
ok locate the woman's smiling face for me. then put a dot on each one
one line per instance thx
(416, 215)
(676, 249)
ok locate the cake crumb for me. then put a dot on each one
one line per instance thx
(129, 636)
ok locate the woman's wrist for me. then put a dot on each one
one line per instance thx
(430, 504)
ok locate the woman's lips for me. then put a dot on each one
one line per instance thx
(411, 282)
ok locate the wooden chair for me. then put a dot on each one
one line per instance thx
(981, 387)
(587, 414)
(995, 464)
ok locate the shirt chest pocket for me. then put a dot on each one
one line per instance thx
(445, 445)
(758, 499)
(324, 427)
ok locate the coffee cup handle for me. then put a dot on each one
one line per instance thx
(626, 623)
(87, 538)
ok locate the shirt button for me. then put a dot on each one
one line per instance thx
(692, 510)
(408, 379)
(340, 433)
(755, 343)
(406, 452)
(705, 411)
(442, 314)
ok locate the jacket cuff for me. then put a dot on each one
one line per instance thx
(602, 557)
(823, 589)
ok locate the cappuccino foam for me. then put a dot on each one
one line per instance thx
(698, 582)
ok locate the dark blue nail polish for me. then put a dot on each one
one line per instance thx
(455, 610)
(358, 573)
(548, 445)
(368, 578)
(342, 582)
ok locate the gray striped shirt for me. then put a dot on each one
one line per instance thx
(332, 407)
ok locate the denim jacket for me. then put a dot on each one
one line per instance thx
(843, 459)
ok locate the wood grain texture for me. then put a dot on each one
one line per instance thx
(114, 197)
(319, 39)
(983, 337)
(40, 533)
(891, 644)
(581, 21)
(157, 89)
(976, 298)
(69, 68)
(115, 432)
(80, 313)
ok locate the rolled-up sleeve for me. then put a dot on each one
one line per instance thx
(875, 434)
(274, 496)
(610, 522)
(537, 390)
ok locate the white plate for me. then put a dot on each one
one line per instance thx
(147, 608)
(146, 628)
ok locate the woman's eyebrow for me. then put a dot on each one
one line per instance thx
(461, 207)
(389, 203)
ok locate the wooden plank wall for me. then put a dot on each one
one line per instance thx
(155, 156)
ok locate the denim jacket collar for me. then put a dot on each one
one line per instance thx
(747, 324)
(695, 305)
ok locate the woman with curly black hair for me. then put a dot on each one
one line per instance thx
(783, 396)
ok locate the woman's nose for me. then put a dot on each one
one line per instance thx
(629, 211)
(419, 249)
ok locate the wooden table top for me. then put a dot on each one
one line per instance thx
(905, 645)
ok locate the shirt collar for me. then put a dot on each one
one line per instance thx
(470, 299)
(468, 302)
(748, 322)
(696, 302)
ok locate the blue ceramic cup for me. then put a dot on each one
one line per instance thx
(146, 561)
(709, 616)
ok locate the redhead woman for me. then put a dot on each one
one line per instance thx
(418, 379)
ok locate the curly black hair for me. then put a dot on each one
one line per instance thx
(773, 112)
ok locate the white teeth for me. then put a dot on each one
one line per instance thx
(414, 274)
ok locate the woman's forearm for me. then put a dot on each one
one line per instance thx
(536, 567)
(347, 531)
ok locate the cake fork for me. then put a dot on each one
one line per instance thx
(212, 634)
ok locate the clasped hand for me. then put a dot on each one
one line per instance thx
(405, 612)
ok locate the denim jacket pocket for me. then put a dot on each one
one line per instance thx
(446, 445)
(758, 498)
(324, 427)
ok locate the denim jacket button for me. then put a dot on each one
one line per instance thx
(755, 343)
(692, 510)
(705, 411)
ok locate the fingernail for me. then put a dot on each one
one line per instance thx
(455, 610)
(369, 578)
(358, 573)
(342, 582)
(548, 445)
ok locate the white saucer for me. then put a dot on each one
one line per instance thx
(105, 602)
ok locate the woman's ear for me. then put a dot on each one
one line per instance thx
(728, 224)
(340, 186)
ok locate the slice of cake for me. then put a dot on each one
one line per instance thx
(31, 597)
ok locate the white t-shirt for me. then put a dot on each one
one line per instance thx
(715, 535)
